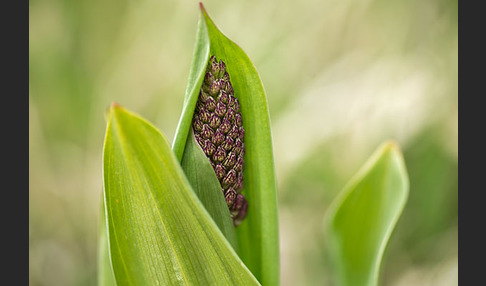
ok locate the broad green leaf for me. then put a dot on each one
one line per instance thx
(361, 219)
(158, 231)
(204, 182)
(258, 234)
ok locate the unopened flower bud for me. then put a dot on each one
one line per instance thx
(218, 128)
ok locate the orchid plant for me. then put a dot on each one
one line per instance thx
(203, 211)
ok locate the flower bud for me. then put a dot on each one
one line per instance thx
(218, 128)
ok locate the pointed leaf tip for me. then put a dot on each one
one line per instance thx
(201, 6)
(390, 145)
(115, 104)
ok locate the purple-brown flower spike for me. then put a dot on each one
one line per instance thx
(218, 127)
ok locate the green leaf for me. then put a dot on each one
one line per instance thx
(207, 187)
(258, 234)
(196, 76)
(105, 272)
(204, 182)
(361, 219)
(158, 231)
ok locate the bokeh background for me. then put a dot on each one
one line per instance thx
(341, 77)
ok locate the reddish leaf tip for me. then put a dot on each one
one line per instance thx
(201, 6)
(115, 104)
(114, 108)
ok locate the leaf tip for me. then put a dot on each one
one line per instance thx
(391, 148)
(109, 109)
(204, 12)
(201, 6)
(391, 145)
(115, 104)
(114, 109)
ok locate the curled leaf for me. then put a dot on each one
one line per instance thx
(257, 235)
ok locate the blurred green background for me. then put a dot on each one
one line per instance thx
(341, 77)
